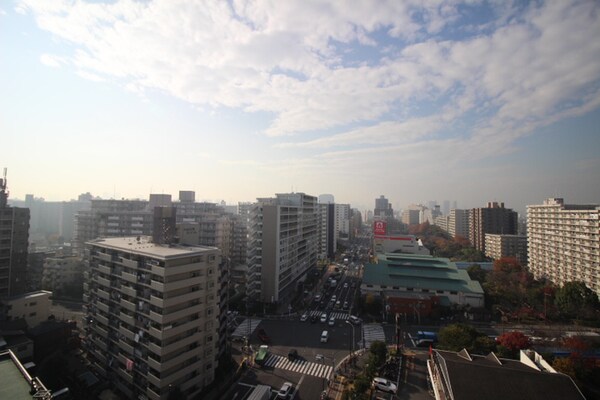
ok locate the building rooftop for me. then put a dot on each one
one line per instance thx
(419, 271)
(15, 382)
(30, 295)
(474, 377)
(143, 245)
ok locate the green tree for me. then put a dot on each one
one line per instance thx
(378, 351)
(456, 337)
(477, 273)
(484, 345)
(575, 300)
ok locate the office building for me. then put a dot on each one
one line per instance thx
(342, 221)
(383, 208)
(498, 246)
(564, 242)
(491, 219)
(14, 239)
(326, 199)
(153, 315)
(412, 215)
(282, 246)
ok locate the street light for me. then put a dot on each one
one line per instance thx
(352, 326)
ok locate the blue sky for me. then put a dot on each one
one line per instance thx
(236, 100)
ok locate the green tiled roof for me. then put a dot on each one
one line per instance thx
(419, 271)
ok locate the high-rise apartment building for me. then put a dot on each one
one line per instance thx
(458, 223)
(282, 245)
(342, 221)
(411, 216)
(498, 246)
(14, 238)
(491, 219)
(564, 242)
(153, 316)
(327, 244)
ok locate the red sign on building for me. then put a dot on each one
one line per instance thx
(379, 228)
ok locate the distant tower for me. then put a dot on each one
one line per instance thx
(164, 230)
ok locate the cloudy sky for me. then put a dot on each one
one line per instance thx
(470, 101)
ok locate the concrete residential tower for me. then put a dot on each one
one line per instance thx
(153, 316)
(564, 242)
(282, 245)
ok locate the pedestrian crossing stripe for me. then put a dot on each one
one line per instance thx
(372, 333)
(300, 366)
(246, 327)
(336, 315)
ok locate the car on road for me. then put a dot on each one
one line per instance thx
(324, 317)
(324, 337)
(304, 317)
(318, 297)
(331, 321)
(345, 285)
(345, 306)
(285, 391)
(384, 385)
(354, 320)
(333, 298)
(338, 304)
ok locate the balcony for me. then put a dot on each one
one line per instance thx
(167, 332)
(127, 333)
(183, 283)
(132, 278)
(127, 305)
(125, 375)
(127, 319)
(129, 263)
(103, 281)
(175, 346)
(102, 307)
(103, 294)
(158, 286)
(172, 301)
(129, 291)
(102, 319)
(126, 347)
(104, 269)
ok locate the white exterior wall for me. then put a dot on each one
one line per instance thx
(564, 242)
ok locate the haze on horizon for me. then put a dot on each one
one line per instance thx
(236, 100)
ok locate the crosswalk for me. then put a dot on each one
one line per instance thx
(337, 315)
(371, 333)
(301, 366)
(246, 327)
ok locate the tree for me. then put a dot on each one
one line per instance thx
(513, 342)
(378, 351)
(477, 273)
(456, 337)
(574, 299)
(565, 365)
(484, 345)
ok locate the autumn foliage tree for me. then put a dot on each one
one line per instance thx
(514, 341)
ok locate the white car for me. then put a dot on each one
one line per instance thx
(384, 385)
(354, 320)
(331, 321)
(285, 391)
(333, 298)
(304, 317)
(324, 317)
(346, 285)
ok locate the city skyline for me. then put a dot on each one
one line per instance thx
(241, 100)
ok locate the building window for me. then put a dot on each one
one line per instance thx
(33, 303)
(383, 286)
(409, 289)
(453, 292)
(33, 314)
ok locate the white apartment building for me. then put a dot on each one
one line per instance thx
(152, 315)
(33, 307)
(564, 242)
(282, 245)
(342, 221)
(458, 223)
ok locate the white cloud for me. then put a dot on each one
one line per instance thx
(51, 61)
(531, 65)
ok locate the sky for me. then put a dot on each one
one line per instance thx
(415, 100)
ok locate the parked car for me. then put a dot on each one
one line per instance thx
(285, 391)
(384, 385)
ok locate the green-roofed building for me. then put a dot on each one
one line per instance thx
(16, 383)
(410, 281)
